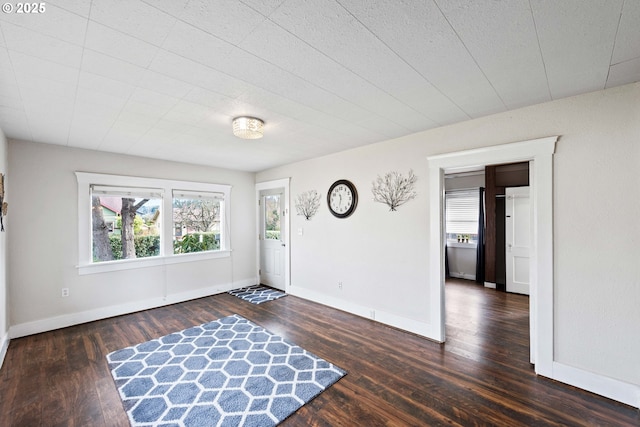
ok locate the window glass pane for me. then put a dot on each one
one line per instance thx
(272, 217)
(124, 227)
(462, 210)
(196, 222)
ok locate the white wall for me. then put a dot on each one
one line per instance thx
(4, 306)
(43, 240)
(382, 257)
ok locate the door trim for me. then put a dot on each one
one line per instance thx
(269, 185)
(539, 152)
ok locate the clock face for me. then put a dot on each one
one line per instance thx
(342, 198)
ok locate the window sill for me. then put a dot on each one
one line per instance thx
(109, 266)
(470, 245)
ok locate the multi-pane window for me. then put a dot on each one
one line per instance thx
(130, 222)
(125, 223)
(196, 221)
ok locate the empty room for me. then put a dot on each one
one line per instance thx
(327, 213)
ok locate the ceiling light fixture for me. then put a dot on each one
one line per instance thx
(248, 127)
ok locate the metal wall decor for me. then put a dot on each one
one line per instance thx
(394, 189)
(307, 203)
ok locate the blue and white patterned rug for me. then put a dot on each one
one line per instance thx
(229, 372)
(257, 294)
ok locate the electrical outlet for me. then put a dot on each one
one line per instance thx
(339, 285)
(65, 292)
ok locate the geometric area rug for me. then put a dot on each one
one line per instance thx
(229, 372)
(257, 294)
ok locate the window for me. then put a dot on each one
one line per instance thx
(196, 221)
(272, 217)
(123, 221)
(462, 210)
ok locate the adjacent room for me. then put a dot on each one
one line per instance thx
(319, 213)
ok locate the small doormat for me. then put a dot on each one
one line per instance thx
(257, 294)
(229, 372)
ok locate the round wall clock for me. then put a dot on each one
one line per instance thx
(342, 198)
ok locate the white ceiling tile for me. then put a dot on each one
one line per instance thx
(265, 7)
(505, 48)
(90, 103)
(628, 38)
(196, 74)
(187, 113)
(119, 45)
(193, 43)
(624, 73)
(50, 120)
(576, 39)
(172, 7)
(101, 85)
(10, 95)
(350, 43)
(135, 18)
(164, 78)
(55, 22)
(132, 118)
(420, 34)
(87, 130)
(122, 136)
(26, 66)
(32, 43)
(230, 20)
(50, 132)
(213, 100)
(14, 122)
(112, 68)
(79, 7)
(154, 99)
(166, 85)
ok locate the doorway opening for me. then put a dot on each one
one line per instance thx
(487, 231)
(539, 153)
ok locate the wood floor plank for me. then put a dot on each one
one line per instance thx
(481, 376)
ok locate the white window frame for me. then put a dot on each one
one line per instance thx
(450, 198)
(166, 187)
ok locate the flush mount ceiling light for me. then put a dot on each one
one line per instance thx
(248, 127)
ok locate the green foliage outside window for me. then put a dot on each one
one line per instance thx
(145, 246)
(196, 242)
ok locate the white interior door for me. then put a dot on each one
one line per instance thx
(272, 238)
(517, 239)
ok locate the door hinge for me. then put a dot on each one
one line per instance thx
(259, 271)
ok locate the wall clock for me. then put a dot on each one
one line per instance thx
(342, 198)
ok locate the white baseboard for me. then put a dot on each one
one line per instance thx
(466, 276)
(4, 345)
(409, 325)
(611, 388)
(71, 319)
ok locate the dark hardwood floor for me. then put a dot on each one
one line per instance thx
(481, 376)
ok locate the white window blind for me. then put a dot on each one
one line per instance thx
(462, 210)
(133, 192)
(203, 195)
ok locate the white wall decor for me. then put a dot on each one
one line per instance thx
(394, 189)
(307, 204)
